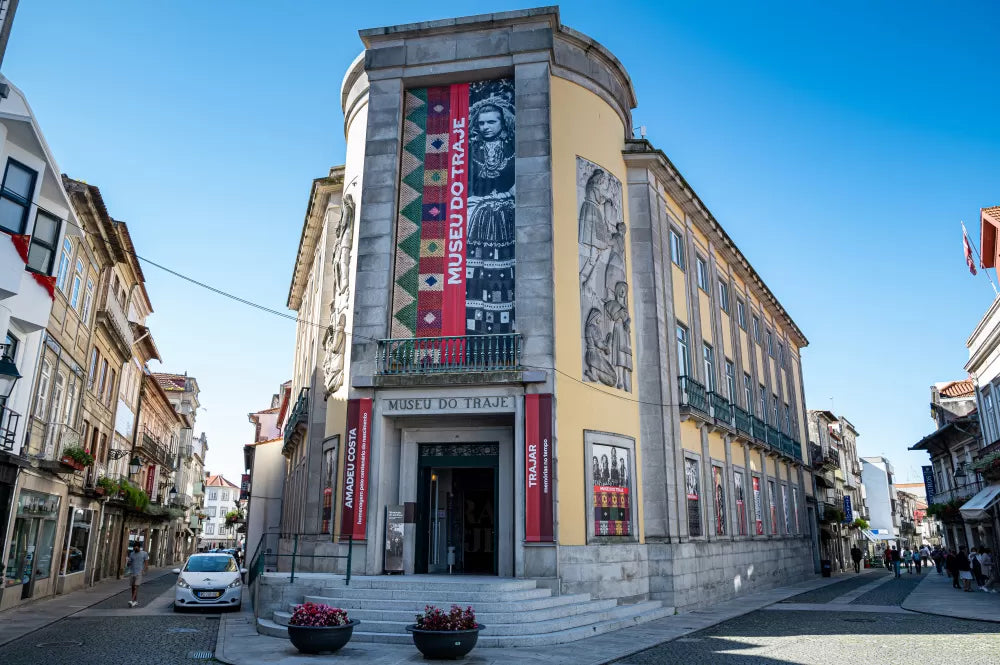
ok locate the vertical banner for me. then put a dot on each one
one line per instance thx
(848, 513)
(353, 516)
(453, 302)
(151, 484)
(245, 487)
(929, 486)
(758, 507)
(538, 509)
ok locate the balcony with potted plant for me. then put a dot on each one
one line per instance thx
(76, 458)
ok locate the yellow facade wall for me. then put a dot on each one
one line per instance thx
(582, 124)
(680, 295)
(716, 446)
(675, 210)
(754, 461)
(738, 458)
(705, 311)
(690, 437)
(770, 467)
(700, 238)
(744, 353)
(727, 336)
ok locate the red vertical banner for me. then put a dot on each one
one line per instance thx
(538, 505)
(354, 506)
(453, 301)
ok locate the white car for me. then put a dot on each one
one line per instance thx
(209, 580)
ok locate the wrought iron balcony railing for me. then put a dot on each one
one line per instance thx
(112, 312)
(462, 353)
(8, 428)
(743, 421)
(153, 449)
(759, 429)
(722, 410)
(692, 394)
(57, 438)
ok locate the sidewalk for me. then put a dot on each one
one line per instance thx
(239, 643)
(19, 621)
(935, 595)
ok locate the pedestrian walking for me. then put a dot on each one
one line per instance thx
(856, 558)
(908, 560)
(917, 561)
(977, 569)
(965, 569)
(986, 561)
(887, 555)
(951, 565)
(938, 555)
(925, 555)
(135, 566)
(896, 558)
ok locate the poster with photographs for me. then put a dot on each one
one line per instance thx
(692, 487)
(741, 502)
(604, 288)
(784, 507)
(612, 496)
(795, 507)
(774, 506)
(758, 507)
(720, 500)
(329, 477)
(393, 560)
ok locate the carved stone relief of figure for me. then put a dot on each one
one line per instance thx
(607, 332)
(334, 344)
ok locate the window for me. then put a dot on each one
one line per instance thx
(702, 269)
(64, 259)
(104, 377)
(77, 538)
(741, 503)
(709, 358)
(15, 197)
(758, 507)
(42, 253)
(731, 381)
(781, 355)
(763, 402)
(44, 376)
(770, 343)
(88, 301)
(74, 298)
(692, 485)
(109, 398)
(57, 396)
(741, 314)
(785, 508)
(795, 509)
(720, 500)
(677, 249)
(748, 392)
(788, 420)
(209, 529)
(224, 496)
(92, 372)
(213, 495)
(772, 498)
(10, 352)
(210, 510)
(756, 328)
(724, 296)
(777, 413)
(683, 358)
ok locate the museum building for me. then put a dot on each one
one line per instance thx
(538, 354)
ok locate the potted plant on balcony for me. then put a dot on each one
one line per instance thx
(315, 627)
(440, 635)
(105, 485)
(76, 457)
(989, 466)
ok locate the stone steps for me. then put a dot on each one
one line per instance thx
(503, 612)
(413, 606)
(432, 591)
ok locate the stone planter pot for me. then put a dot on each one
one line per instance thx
(444, 644)
(316, 639)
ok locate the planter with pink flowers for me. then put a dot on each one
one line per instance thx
(315, 628)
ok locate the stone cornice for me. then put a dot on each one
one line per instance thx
(640, 152)
(312, 227)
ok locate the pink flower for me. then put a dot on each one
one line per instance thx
(434, 618)
(318, 615)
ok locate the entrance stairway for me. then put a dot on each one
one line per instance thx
(516, 613)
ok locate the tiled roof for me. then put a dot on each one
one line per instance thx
(174, 382)
(218, 481)
(963, 388)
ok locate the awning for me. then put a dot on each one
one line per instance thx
(975, 508)
(879, 534)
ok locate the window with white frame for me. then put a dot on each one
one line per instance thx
(74, 297)
(213, 495)
(756, 328)
(16, 193)
(770, 343)
(724, 297)
(209, 529)
(224, 496)
(677, 249)
(57, 396)
(731, 381)
(708, 356)
(64, 258)
(683, 357)
(763, 402)
(741, 314)
(88, 301)
(702, 271)
(748, 392)
(41, 399)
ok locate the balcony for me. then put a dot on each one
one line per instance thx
(8, 428)
(692, 395)
(722, 410)
(457, 354)
(183, 500)
(743, 421)
(151, 448)
(759, 429)
(111, 314)
(297, 423)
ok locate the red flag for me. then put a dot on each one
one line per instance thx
(968, 251)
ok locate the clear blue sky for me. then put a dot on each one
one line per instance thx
(840, 144)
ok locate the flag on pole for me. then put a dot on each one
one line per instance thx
(968, 251)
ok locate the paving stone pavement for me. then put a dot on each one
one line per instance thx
(892, 592)
(935, 595)
(828, 593)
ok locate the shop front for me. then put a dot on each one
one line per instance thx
(29, 570)
(78, 546)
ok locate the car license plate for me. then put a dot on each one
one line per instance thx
(208, 594)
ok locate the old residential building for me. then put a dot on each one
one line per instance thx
(221, 496)
(266, 467)
(656, 459)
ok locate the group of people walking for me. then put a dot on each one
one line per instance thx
(912, 560)
(965, 567)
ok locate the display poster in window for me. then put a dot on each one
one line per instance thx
(758, 507)
(772, 501)
(692, 487)
(741, 502)
(612, 498)
(393, 560)
(539, 519)
(354, 511)
(329, 470)
(784, 508)
(720, 500)
(454, 263)
(795, 508)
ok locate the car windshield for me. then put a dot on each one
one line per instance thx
(211, 564)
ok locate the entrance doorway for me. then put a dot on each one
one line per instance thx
(457, 509)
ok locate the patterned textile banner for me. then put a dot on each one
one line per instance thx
(354, 515)
(454, 269)
(612, 479)
(539, 522)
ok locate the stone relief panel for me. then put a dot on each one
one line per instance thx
(604, 312)
(335, 341)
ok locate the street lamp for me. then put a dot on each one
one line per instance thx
(173, 493)
(8, 374)
(134, 465)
